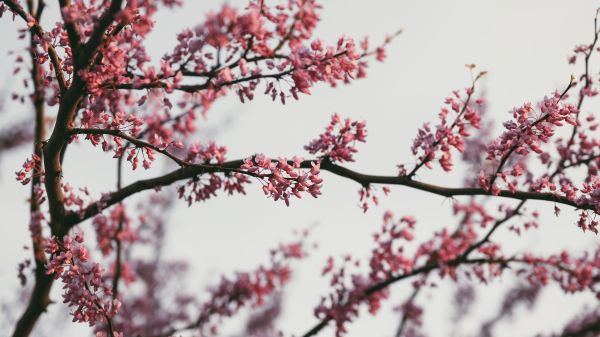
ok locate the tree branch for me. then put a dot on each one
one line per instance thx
(209, 84)
(418, 271)
(190, 88)
(192, 170)
(136, 141)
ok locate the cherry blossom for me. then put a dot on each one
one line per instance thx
(84, 288)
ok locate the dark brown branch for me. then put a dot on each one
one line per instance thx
(215, 72)
(136, 141)
(496, 225)
(202, 86)
(52, 155)
(190, 171)
(585, 161)
(39, 10)
(562, 167)
(209, 83)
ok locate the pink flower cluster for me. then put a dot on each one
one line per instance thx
(24, 175)
(74, 198)
(413, 316)
(282, 179)
(531, 223)
(368, 195)
(129, 125)
(104, 120)
(84, 288)
(205, 154)
(125, 44)
(446, 251)
(338, 141)
(233, 49)
(249, 288)
(571, 274)
(583, 147)
(107, 228)
(525, 134)
(447, 134)
(203, 187)
(323, 64)
(343, 303)
(387, 259)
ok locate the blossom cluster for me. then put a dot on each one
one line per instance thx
(249, 288)
(282, 179)
(30, 166)
(449, 253)
(390, 260)
(582, 148)
(203, 187)
(525, 134)
(338, 141)
(123, 45)
(233, 48)
(74, 198)
(83, 283)
(368, 195)
(449, 133)
(387, 259)
(570, 273)
(112, 226)
(412, 316)
(153, 299)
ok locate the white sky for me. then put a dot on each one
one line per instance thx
(523, 45)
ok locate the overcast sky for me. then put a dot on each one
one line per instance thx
(524, 46)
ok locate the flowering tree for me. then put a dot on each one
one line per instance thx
(92, 67)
